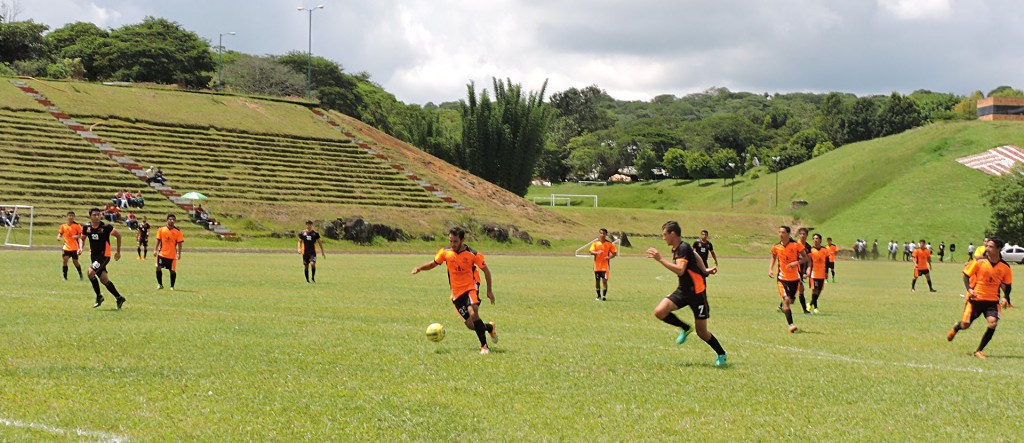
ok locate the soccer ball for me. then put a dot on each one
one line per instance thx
(435, 332)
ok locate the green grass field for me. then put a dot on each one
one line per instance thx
(245, 350)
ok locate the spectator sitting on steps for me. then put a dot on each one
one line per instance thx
(158, 176)
(131, 221)
(202, 217)
(112, 213)
(138, 201)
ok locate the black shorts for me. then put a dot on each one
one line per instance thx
(601, 275)
(99, 264)
(787, 289)
(144, 242)
(698, 303)
(166, 263)
(72, 254)
(309, 258)
(830, 265)
(976, 308)
(920, 272)
(462, 304)
(817, 284)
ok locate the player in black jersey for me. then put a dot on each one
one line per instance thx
(98, 235)
(142, 237)
(691, 290)
(308, 240)
(703, 248)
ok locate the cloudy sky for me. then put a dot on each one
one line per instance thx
(428, 50)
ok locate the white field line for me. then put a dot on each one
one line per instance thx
(101, 436)
(846, 358)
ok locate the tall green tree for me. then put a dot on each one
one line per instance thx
(1005, 196)
(504, 138)
(156, 50)
(22, 41)
(899, 114)
(698, 165)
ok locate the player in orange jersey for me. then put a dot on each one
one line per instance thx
(691, 291)
(983, 279)
(71, 233)
(789, 255)
(817, 273)
(464, 280)
(603, 251)
(831, 264)
(922, 258)
(168, 247)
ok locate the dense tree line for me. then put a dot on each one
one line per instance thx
(578, 134)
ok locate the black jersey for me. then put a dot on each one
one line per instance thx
(692, 279)
(99, 239)
(804, 266)
(703, 249)
(309, 239)
(144, 231)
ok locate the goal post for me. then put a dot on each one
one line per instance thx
(18, 221)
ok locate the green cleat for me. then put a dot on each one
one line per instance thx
(720, 361)
(682, 336)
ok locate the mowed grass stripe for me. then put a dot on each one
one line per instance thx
(246, 350)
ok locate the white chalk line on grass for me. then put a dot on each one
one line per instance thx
(101, 436)
(846, 358)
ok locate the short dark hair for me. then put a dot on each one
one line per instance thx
(703, 231)
(818, 236)
(672, 226)
(71, 212)
(922, 241)
(999, 242)
(170, 216)
(803, 230)
(96, 210)
(787, 228)
(603, 231)
(309, 222)
(458, 232)
(829, 239)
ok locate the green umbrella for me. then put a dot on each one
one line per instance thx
(194, 196)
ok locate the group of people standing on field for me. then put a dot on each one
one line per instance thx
(96, 236)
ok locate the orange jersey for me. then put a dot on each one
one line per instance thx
(819, 256)
(986, 278)
(169, 239)
(69, 231)
(606, 249)
(834, 251)
(462, 269)
(921, 258)
(786, 254)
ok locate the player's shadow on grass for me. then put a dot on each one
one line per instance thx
(997, 357)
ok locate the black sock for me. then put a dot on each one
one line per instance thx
(480, 332)
(488, 328)
(985, 338)
(814, 299)
(605, 294)
(913, 283)
(174, 276)
(930, 286)
(675, 321)
(139, 251)
(79, 268)
(598, 292)
(314, 273)
(789, 316)
(159, 277)
(96, 286)
(145, 252)
(713, 342)
(112, 289)
(305, 271)
(803, 302)
(65, 272)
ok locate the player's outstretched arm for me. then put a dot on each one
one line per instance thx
(487, 278)
(424, 267)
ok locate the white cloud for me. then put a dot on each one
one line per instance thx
(918, 9)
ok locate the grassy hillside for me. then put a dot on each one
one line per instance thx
(900, 187)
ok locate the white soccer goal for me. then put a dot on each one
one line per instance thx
(19, 227)
(590, 196)
(584, 251)
(552, 200)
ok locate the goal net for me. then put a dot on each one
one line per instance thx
(17, 221)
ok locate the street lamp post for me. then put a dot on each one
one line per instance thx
(309, 52)
(776, 180)
(220, 58)
(732, 186)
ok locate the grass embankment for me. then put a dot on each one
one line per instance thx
(245, 350)
(902, 187)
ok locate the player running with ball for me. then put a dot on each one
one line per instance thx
(462, 263)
